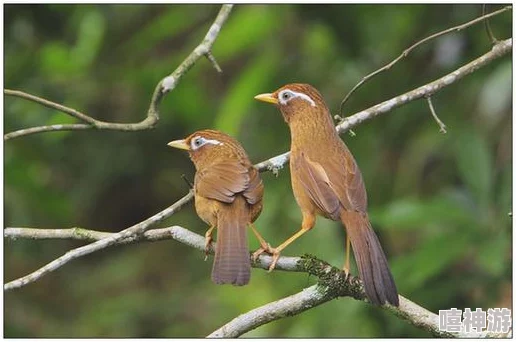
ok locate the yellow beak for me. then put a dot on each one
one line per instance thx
(180, 144)
(266, 98)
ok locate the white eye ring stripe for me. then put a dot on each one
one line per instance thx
(296, 94)
(204, 142)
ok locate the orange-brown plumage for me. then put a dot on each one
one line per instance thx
(228, 196)
(326, 181)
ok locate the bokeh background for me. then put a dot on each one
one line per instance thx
(439, 203)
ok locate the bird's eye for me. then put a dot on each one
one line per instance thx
(286, 95)
(198, 142)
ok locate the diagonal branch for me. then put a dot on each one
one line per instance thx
(318, 294)
(412, 47)
(128, 233)
(164, 86)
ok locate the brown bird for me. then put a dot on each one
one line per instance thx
(326, 181)
(228, 196)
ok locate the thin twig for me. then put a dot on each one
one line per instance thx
(213, 61)
(442, 126)
(489, 32)
(164, 86)
(41, 129)
(130, 232)
(412, 47)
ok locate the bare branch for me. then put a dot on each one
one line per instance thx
(213, 61)
(163, 87)
(319, 294)
(500, 49)
(177, 233)
(50, 104)
(442, 126)
(422, 41)
(41, 129)
(130, 232)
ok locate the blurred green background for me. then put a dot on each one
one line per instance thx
(439, 203)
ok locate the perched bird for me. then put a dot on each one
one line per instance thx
(326, 181)
(228, 196)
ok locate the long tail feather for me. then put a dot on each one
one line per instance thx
(232, 263)
(371, 261)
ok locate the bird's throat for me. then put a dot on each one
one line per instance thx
(312, 133)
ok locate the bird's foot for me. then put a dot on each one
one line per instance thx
(346, 272)
(207, 247)
(274, 252)
(265, 248)
(275, 257)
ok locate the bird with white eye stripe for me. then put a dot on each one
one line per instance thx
(228, 196)
(326, 181)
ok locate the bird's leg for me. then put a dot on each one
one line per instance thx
(207, 242)
(346, 262)
(264, 245)
(306, 225)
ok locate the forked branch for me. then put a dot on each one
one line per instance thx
(483, 18)
(164, 86)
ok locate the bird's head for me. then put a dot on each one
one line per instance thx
(295, 100)
(207, 145)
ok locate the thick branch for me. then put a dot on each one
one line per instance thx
(164, 86)
(318, 294)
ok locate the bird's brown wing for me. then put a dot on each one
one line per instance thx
(254, 191)
(317, 185)
(346, 179)
(221, 181)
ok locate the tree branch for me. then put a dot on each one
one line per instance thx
(442, 126)
(424, 40)
(500, 49)
(318, 294)
(164, 86)
(129, 233)
(332, 282)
